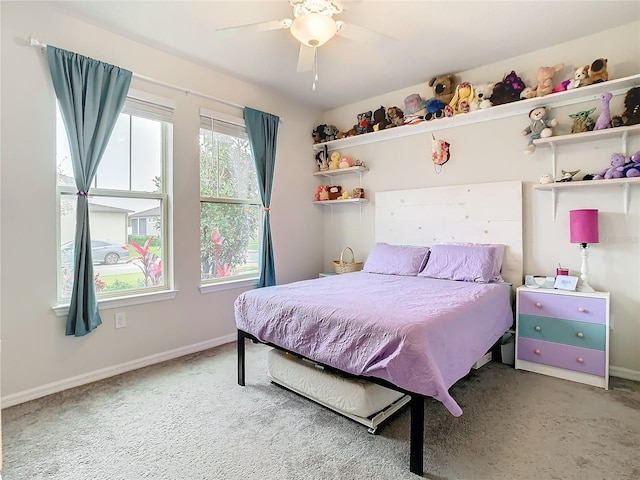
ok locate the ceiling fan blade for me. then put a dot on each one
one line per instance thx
(361, 34)
(258, 27)
(305, 58)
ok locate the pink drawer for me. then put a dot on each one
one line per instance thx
(568, 357)
(583, 309)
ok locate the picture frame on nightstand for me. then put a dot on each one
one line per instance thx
(566, 282)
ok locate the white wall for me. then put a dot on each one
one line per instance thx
(493, 151)
(36, 356)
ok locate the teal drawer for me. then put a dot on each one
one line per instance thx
(568, 332)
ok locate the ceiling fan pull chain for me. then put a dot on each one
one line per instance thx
(315, 68)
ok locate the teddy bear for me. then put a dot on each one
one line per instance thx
(380, 121)
(508, 90)
(395, 116)
(598, 71)
(540, 127)
(632, 169)
(481, 101)
(443, 92)
(631, 114)
(324, 133)
(616, 168)
(443, 87)
(545, 81)
(462, 98)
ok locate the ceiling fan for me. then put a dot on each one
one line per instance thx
(313, 25)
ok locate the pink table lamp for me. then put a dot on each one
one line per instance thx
(583, 226)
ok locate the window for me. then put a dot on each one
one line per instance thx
(127, 204)
(230, 206)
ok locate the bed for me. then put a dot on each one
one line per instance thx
(415, 332)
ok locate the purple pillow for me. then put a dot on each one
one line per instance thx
(468, 263)
(497, 264)
(396, 259)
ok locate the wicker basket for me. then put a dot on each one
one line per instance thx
(347, 267)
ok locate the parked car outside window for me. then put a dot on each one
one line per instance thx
(102, 252)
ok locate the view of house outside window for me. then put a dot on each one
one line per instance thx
(127, 206)
(230, 206)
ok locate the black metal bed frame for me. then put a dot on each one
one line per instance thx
(416, 455)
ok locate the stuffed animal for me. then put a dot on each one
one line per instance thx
(443, 91)
(364, 125)
(631, 113)
(334, 163)
(380, 121)
(567, 176)
(395, 116)
(414, 109)
(582, 122)
(324, 133)
(616, 168)
(462, 98)
(632, 169)
(598, 71)
(443, 87)
(540, 127)
(483, 92)
(321, 160)
(545, 81)
(508, 90)
(345, 162)
(580, 78)
(604, 119)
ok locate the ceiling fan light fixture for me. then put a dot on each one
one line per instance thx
(313, 29)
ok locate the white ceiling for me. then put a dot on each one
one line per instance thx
(431, 38)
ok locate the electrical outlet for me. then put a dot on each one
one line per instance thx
(121, 320)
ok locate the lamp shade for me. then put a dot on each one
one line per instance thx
(583, 225)
(313, 29)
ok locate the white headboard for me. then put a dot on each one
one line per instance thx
(482, 213)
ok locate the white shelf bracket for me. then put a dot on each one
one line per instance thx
(554, 204)
(553, 161)
(625, 198)
(625, 135)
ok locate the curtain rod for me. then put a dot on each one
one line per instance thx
(35, 43)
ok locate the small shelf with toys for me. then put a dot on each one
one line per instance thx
(341, 171)
(568, 97)
(347, 200)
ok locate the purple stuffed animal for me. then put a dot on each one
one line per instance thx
(632, 169)
(616, 170)
(604, 119)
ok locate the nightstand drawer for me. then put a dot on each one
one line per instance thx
(583, 309)
(579, 334)
(584, 360)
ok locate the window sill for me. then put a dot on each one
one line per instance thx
(218, 287)
(108, 303)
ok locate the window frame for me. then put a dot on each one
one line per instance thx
(151, 107)
(242, 280)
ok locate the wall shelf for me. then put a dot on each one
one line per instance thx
(568, 97)
(622, 183)
(333, 202)
(341, 171)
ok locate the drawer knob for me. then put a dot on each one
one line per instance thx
(580, 360)
(538, 304)
(538, 328)
(580, 334)
(582, 309)
(537, 351)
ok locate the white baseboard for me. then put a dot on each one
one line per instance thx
(55, 387)
(624, 373)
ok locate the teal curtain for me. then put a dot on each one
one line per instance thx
(91, 95)
(262, 129)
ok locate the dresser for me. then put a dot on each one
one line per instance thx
(563, 334)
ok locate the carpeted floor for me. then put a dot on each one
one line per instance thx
(188, 419)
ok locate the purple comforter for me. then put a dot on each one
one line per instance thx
(418, 333)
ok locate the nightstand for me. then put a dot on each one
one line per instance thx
(563, 334)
